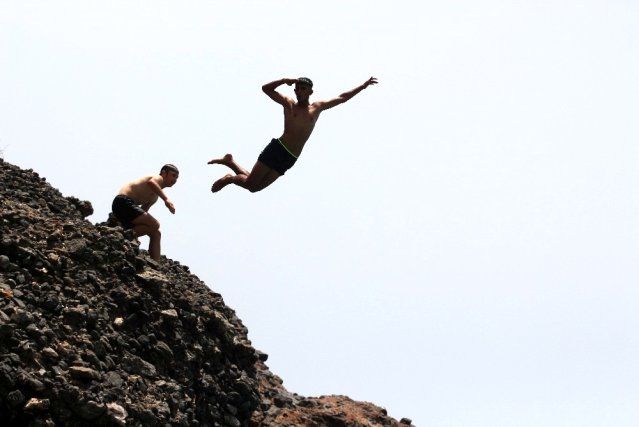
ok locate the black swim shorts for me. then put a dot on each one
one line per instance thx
(125, 210)
(277, 157)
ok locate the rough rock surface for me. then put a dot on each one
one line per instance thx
(94, 332)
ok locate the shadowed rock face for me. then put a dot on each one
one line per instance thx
(94, 332)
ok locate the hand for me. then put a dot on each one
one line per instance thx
(371, 81)
(290, 81)
(169, 205)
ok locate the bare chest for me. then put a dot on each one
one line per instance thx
(301, 117)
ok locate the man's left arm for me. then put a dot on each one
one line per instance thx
(342, 98)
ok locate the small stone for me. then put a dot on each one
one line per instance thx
(74, 316)
(35, 404)
(135, 365)
(15, 398)
(31, 382)
(82, 373)
(113, 379)
(231, 421)
(117, 413)
(50, 353)
(170, 313)
(89, 410)
(4, 262)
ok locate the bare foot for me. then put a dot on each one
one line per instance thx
(222, 182)
(227, 160)
(224, 160)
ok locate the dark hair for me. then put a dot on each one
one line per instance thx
(169, 168)
(305, 81)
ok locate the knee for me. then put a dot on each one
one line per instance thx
(254, 187)
(154, 226)
(147, 221)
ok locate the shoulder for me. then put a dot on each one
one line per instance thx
(287, 102)
(156, 178)
(145, 180)
(283, 100)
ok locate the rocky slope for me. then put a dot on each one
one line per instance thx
(94, 332)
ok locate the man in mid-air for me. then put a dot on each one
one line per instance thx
(281, 153)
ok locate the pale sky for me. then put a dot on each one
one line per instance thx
(457, 244)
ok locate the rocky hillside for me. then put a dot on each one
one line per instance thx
(94, 332)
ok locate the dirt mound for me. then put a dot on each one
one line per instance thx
(94, 332)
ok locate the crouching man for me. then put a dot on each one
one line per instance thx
(134, 200)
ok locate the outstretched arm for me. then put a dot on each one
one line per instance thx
(325, 105)
(269, 89)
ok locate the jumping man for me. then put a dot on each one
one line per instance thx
(281, 153)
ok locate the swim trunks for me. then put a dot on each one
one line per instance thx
(277, 157)
(125, 210)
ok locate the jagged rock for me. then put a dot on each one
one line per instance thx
(89, 410)
(170, 314)
(37, 404)
(82, 373)
(15, 398)
(117, 413)
(136, 365)
(4, 262)
(94, 332)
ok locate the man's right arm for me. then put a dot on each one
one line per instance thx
(155, 187)
(269, 89)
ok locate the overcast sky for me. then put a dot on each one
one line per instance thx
(457, 244)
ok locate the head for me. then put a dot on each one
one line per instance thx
(303, 88)
(169, 173)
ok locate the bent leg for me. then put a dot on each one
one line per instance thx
(227, 160)
(146, 225)
(261, 176)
